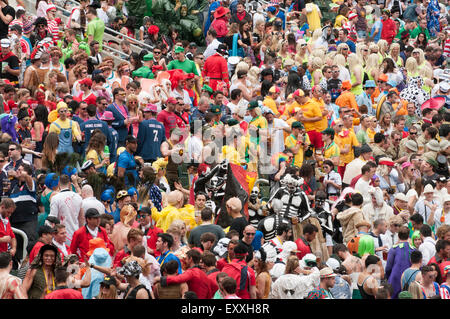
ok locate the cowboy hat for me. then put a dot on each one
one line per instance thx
(220, 12)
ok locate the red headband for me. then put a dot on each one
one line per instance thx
(388, 163)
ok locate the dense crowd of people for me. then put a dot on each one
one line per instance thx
(303, 153)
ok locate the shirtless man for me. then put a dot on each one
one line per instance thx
(352, 264)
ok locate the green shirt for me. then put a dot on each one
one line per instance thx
(398, 36)
(96, 28)
(187, 66)
(362, 137)
(147, 71)
(414, 33)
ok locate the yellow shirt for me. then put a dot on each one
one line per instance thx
(93, 156)
(370, 134)
(311, 109)
(271, 104)
(331, 151)
(346, 138)
(290, 108)
(312, 14)
(290, 142)
(323, 123)
(65, 124)
(166, 216)
(187, 214)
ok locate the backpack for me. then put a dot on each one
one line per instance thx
(406, 285)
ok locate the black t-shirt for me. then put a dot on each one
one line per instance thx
(238, 224)
(13, 63)
(3, 26)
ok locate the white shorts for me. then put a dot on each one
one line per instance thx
(329, 240)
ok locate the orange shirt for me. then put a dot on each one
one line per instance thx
(347, 99)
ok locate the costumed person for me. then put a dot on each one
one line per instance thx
(99, 257)
(256, 209)
(296, 206)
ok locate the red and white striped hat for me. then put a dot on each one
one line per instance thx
(50, 7)
(352, 15)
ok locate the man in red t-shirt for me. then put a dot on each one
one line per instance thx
(239, 271)
(147, 225)
(167, 116)
(196, 279)
(7, 238)
(62, 291)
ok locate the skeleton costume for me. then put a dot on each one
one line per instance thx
(270, 224)
(256, 209)
(214, 182)
(295, 204)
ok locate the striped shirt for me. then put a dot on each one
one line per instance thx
(26, 203)
(53, 29)
(447, 48)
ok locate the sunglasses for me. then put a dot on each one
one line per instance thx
(398, 139)
(411, 133)
(156, 52)
(12, 149)
(250, 234)
(83, 108)
(397, 225)
(2, 160)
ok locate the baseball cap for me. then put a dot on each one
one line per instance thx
(130, 139)
(179, 49)
(253, 105)
(86, 81)
(215, 109)
(151, 108)
(5, 43)
(444, 87)
(298, 92)
(274, 89)
(148, 57)
(86, 165)
(328, 131)
(172, 100)
(401, 196)
(297, 124)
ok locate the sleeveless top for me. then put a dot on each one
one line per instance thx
(38, 286)
(169, 292)
(267, 284)
(364, 295)
(357, 90)
(133, 293)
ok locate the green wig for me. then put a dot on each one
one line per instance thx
(366, 245)
(415, 235)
